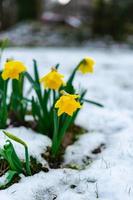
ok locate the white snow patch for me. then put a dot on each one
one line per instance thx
(81, 151)
(110, 174)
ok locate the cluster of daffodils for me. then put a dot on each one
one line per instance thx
(53, 107)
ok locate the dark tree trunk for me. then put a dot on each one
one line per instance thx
(29, 9)
(8, 13)
(1, 14)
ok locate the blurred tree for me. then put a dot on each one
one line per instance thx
(110, 18)
(7, 16)
(29, 9)
(1, 14)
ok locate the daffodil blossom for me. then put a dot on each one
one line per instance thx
(13, 69)
(87, 65)
(53, 80)
(67, 104)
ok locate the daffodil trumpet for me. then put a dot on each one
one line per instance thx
(53, 80)
(13, 69)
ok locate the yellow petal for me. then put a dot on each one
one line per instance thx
(13, 69)
(52, 80)
(4, 75)
(87, 65)
(67, 104)
(60, 112)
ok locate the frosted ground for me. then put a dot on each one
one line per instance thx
(109, 175)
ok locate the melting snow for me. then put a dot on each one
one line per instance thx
(109, 175)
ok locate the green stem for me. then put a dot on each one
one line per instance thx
(2, 47)
(55, 134)
(21, 84)
(4, 106)
(41, 98)
(37, 88)
(54, 97)
(17, 105)
(61, 135)
(16, 139)
(71, 78)
(65, 127)
(27, 161)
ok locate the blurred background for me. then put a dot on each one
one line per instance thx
(66, 22)
(65, 31)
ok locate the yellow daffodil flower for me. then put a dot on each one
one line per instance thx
(13, 69)
(87, 65)
(53, 80)
(67, 104)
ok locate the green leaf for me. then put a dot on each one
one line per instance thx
(3, 45)
(10, 174)
(12, 158)
(55, 134)
(18, 104)
(93, 102)
(8, 178)
(36, 74)
(15, 138)
(2, 153)
(35, 109)
(3, 106)
(61, 134)
(15, 158)
(72, 76)
(57, 66)
(31, 80)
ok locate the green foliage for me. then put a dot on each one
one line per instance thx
(18, 104)
(3, 91)
(42, 108)
(15, 106)
(20, 141)
(9, 175)
(16, 166)
(9, 154)
(61, 124)
(45, 116)
(42, 105)
(3, 45)
(3, 103)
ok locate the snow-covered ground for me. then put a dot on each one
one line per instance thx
(104, 176)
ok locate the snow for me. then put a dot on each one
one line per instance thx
(87, 142)
(107, 175)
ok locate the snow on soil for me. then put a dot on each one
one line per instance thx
(104, 176)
